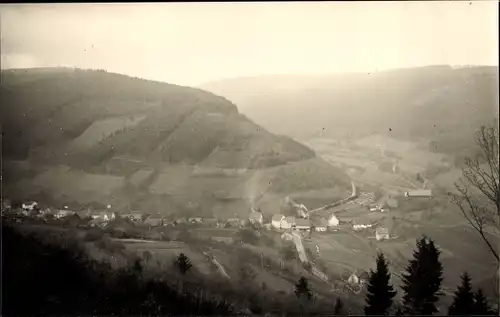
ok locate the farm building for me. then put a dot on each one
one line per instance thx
(62, 213)
(353, 279)
(211, 222)
(195, 220)
(180, 221)
(276, 220)
(381, 233)
(320, 224)
(30, 206)
(302, 224)
(256, 217)
(135, 216)
(367, 220)
(357, 278)
(363, 277)
(84, 214)
(154, 221)
(333, 221)
(425, 193)
(288, 223)
(232, 222)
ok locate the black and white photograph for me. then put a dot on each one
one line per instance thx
(316, 158)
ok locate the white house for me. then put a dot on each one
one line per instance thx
(30, 206)
(333, 221)
(288, 223)
(353, 279)
(276, 220)
(256, 217)
(382, 233)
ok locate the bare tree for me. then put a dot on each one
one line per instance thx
(478, 190)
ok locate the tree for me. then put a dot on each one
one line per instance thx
(338, 309)
(183, 264)
(248, 236)
(480, 306)
(478, 191)
(380, 292)
(288, 253)
(246, 274)
(302, 288)
(422, 280)
(147, 255)
(463, 301)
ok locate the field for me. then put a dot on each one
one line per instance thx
(102, 129)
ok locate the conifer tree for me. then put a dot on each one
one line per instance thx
(339, 308)
(481, 306)
(380, 292)
(183, 264)
(302, 288)
(463, 301)
(422, 280)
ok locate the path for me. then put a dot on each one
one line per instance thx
(217, 264)
(297, 239)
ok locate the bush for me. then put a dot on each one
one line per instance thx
(93, 234)
(248, 236)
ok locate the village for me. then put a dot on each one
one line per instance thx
(361, 215)
(358, 214)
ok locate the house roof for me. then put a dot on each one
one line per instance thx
(382, 230)
(277, 217)
(303, 222)
(290, 219)
(322, 222)
(233, 219)
(364, 275)
(420, 192)
(210, 220)
(153, 221)
(255, 215)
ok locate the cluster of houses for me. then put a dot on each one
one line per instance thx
(278, 222)
(281, 222)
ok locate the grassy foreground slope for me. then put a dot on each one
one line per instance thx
(87, 136)
(439, 106)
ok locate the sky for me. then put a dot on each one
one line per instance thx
(192, 43)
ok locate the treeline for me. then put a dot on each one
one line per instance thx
(422, 287)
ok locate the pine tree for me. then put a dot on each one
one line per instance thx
(463, 301)
(480, 306)
(380, 292)
(302, 288)
(338, 310)
(183, 264)
(422, 280)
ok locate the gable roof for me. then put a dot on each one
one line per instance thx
(155, 221)
(255, 215)
(382, 230)
(290, 219)
(364, 275)
(277, 217)
(303, 222)
(322, 222)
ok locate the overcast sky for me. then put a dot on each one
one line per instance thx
(191, 43)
